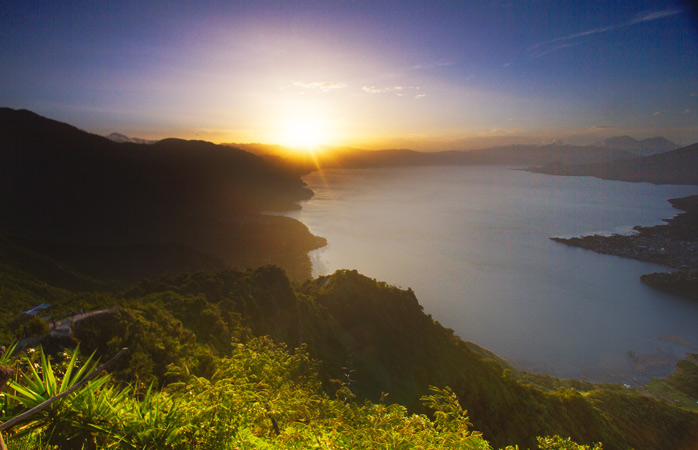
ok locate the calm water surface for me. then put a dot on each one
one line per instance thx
(472, 242)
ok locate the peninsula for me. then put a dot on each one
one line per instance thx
(674, 244)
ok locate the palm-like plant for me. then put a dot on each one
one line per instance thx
(73, 422)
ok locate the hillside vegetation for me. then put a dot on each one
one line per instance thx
(241, 353)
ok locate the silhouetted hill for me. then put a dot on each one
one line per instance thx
(118, 137)
(674, 167)
(645, 147)
(344, 157)
(124, 263)
(58, 182)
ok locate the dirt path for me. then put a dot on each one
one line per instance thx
(63, 327)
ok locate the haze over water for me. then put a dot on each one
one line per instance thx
(473, 243)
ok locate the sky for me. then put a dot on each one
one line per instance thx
(426, 75)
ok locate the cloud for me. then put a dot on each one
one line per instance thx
(420, 96)
(657, 113)
(400, 91)
(693, 95)
(501, 132)
(688, 111)
(373, 90)
(543, 48)
(432, 65)
(603, 127)
(654, 15)
(542, 52)
(324, 86)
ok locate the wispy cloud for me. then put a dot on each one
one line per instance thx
(603, 127)
(653, 15)
(542, 52)
(501, 132)
(400, 91)
(546, 47)
(693, 95)
(687, 111)
(324, 86)
(373, 90)
(432, 65)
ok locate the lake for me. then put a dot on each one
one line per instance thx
(473, 243)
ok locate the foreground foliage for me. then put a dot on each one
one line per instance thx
(261, 397)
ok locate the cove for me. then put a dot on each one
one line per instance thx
(473, 243)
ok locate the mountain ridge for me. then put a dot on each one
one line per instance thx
(645, 147)
(521, 155)
(673, 167)
(60, 183)
(121, 138)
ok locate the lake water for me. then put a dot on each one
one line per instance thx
(473, 243)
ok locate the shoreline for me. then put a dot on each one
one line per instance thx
(674, 244)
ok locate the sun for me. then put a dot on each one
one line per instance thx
(303, 133)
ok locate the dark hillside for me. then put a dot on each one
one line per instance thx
(60, 183)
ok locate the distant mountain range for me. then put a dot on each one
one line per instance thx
(552, 155)
(645, 147)
(120, 138)
(521, 155)
(675, 167)
(60, 183)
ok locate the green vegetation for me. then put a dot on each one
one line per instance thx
(222, 359)
(261, 396)
(685, 378)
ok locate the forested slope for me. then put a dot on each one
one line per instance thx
(368, 338)
(59, 183)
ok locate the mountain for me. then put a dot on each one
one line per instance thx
(60, 183)
(536, 154)
(120, 138)
(344, 157)
(673, 167)
(645, 147)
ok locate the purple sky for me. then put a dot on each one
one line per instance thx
(425, 75)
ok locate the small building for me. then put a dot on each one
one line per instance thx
(37, 309)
